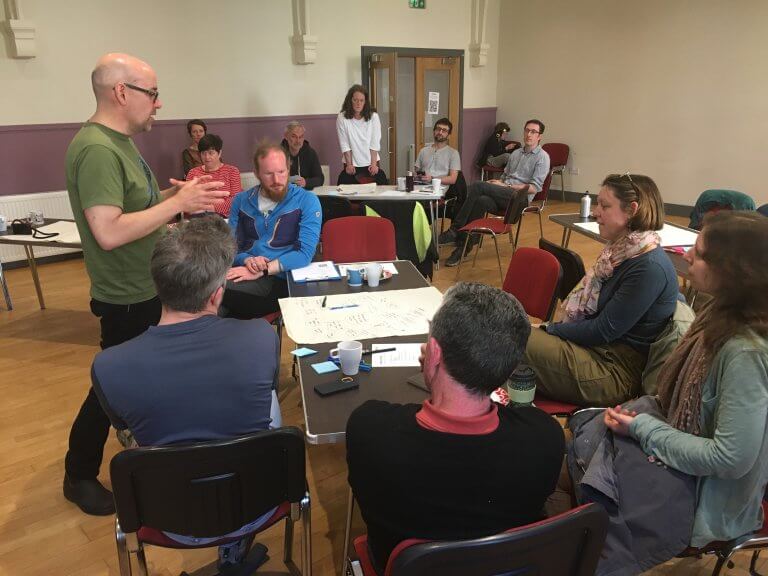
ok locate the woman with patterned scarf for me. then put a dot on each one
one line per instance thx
(596, 355)
(714, 387)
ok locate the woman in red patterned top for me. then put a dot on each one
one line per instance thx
(210, 153)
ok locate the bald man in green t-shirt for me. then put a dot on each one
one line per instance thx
(120, 211)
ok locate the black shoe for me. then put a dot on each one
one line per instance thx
(90, 496)
(455, 257)
(447, 237)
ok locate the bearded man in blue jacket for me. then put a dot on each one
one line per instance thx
(277, 227)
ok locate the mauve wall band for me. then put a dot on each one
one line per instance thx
(34, 154)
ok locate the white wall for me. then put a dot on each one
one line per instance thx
(226, 59)
(676, 89)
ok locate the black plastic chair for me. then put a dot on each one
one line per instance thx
(571, 264)
(334, 207)
(568, 544)
(209, 489)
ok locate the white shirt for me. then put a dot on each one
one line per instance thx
(359, 137)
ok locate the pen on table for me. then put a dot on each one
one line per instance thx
(341, 307)
(366, 351)
(324, 299)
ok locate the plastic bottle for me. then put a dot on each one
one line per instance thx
(586, 205)
(409, 181)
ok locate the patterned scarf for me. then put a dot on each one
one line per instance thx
(582, 301)
(682, 376)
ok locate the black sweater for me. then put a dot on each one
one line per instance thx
(309, 163)
(411, 482)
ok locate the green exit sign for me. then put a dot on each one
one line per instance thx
(417, 3)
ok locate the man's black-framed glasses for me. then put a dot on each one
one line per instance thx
(154, 94)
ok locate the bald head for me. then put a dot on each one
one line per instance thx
(115, 67)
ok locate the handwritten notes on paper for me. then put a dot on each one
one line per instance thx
(360, 316)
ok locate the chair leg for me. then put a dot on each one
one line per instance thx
(142, 560)
(123, 555)
(348, 526)
(517, 234)
(562, 183)
(541, 226)
(306, 521)
(4, 284)
(498, 258)
(752, 563)
(721, 560)
(464, 251)
(477, 251)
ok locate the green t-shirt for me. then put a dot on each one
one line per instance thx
(105, 168)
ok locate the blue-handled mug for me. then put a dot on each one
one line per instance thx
(355, 276)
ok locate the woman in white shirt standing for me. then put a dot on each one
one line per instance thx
(359, 131)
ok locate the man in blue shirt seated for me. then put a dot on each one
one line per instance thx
(194, 376)
(277, 227)
(523, 177)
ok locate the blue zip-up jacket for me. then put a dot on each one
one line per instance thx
(289, 233)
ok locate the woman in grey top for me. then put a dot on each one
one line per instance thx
(714, 386)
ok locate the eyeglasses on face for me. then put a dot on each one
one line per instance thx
(154, 94)
(531, 131)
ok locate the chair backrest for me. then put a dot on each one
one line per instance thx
(566, 544)
(358, 239)
(210, 488)
(541, 196)
(571, 264)
(533, 278)
(334, 207)
(558, 153)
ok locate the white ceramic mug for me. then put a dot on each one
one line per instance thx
(436, 184)
(373, 274)
(349, 354)
(401, 183)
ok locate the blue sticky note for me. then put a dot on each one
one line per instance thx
(301, 352)
(325, 367)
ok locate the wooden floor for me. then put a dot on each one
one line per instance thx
(45, 358)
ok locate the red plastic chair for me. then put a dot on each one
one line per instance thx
(566, 544)
(558, 158)
(494, 226)
(210, 488)
(533, 277)
(536, 206)
(487, 172)
(359, 239)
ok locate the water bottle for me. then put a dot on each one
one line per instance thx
(586, 204)
(522, 386)
(409, 182)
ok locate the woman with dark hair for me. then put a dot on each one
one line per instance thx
(210, 147)
(359, 131)
(596, 355)
(496, 149)
(713, 389)
(190, 157)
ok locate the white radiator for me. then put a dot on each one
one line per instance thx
(53, 205)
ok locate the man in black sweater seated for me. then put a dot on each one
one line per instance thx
(458, 466)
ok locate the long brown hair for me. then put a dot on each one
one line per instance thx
(346, 108)
(736, 250)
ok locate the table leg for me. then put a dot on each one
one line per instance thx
(33, 268)
(347, 530)
(562, 240)
(567, 237)
(8, 303)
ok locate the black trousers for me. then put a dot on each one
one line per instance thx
(119, 323)
(253, 298)
(344, 178)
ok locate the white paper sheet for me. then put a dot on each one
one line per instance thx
(670, 235)
(357, 188)
(403, 355)
(359, 316)
(385, 266)
(315, 272)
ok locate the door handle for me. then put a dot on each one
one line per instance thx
(389, 139)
